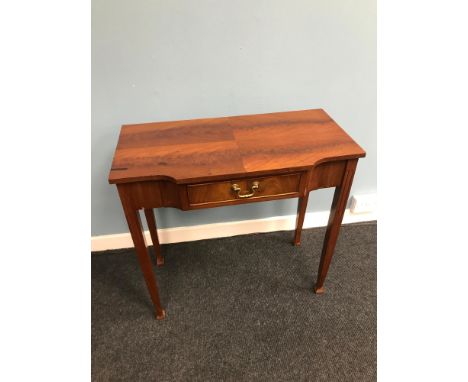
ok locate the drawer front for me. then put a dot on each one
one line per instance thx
(279, 186)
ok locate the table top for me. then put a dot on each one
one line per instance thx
(221, 148)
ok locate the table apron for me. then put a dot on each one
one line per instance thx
(162, 193)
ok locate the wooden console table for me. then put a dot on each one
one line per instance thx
(214, 162)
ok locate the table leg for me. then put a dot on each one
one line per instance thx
(338, 207)
(134, 224)
(301, 210)
(154, 235)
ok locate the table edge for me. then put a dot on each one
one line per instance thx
(227, 176)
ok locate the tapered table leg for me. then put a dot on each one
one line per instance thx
(154, 235)
(134, 224)
(301, 210)
(338, 207)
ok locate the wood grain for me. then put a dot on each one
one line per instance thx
(327, 175)
(302, 206)
(334, 224)
(193, 164)
(151, 221)
(134, 224)
(218, 192)
(210, 149)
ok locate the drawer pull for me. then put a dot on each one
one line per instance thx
(235, 187)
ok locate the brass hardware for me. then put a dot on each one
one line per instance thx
(235, 187)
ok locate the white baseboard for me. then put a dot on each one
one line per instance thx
(210, 231)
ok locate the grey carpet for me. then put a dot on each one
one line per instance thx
(239, 309)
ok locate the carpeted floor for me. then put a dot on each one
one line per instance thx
(239, 309)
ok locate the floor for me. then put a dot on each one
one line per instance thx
(239, 309)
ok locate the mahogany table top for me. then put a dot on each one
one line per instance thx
(222, 148)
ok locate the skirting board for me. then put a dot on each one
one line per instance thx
(215, 230)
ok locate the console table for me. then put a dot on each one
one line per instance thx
(214, 162)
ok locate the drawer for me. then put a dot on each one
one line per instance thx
(244, 190)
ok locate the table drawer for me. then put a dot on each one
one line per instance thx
(244, 190)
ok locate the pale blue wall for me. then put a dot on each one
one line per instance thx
(179, 59)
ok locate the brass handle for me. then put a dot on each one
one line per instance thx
(235, 187)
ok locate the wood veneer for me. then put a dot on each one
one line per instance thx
(219, 192)
(230, 147)
(194, 164)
